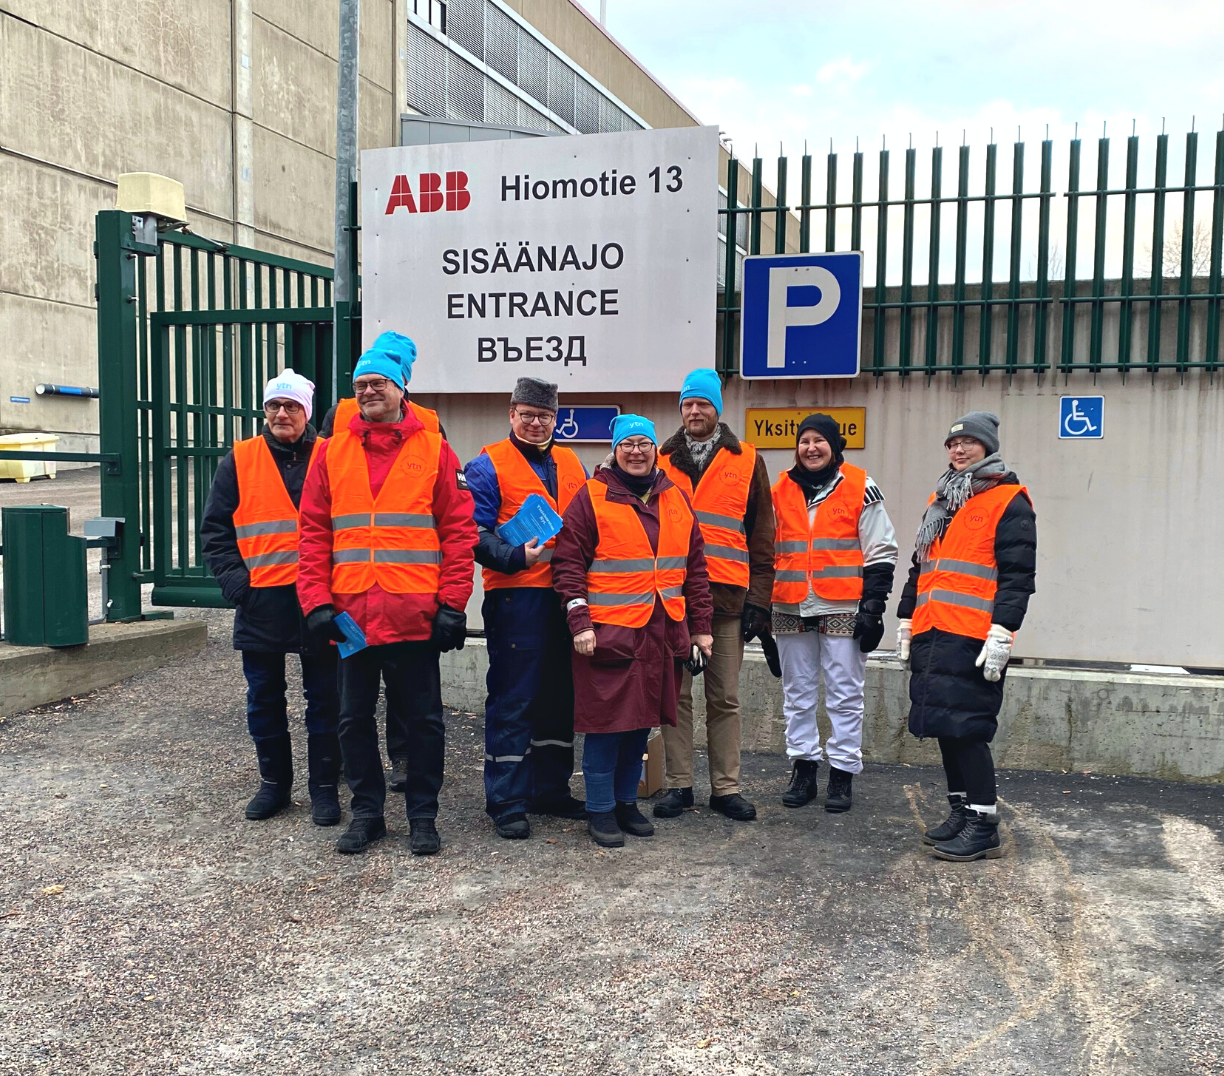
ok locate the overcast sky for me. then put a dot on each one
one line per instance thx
(785, 70)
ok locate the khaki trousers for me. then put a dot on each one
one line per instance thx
(722, 716)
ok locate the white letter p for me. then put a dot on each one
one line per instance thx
(781, 316)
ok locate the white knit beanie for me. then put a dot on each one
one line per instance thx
(290, 385)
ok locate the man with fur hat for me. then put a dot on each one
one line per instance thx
(529, 713)
(728, 485)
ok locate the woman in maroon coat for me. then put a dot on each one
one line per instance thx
(626, 680)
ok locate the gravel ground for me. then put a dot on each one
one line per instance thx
(148, 928)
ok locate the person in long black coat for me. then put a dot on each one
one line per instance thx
(976, 591)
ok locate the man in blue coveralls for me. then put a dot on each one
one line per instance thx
(529, 713)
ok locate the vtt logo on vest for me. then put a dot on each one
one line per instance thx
(429, 196)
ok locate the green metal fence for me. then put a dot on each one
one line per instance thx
(187, 337)
(974, 319)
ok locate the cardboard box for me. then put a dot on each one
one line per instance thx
(652, 767)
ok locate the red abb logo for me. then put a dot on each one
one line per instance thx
(429, 193)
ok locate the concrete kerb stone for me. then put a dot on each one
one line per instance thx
(36, 675)
(1171, 727)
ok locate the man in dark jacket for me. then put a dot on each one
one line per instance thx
(728, 485)
(250, 534)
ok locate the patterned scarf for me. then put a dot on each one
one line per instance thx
(702, 451)
(951, 492)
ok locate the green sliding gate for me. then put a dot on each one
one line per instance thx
(188, 334)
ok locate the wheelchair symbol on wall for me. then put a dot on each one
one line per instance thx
(569, 428)
(1081, 417)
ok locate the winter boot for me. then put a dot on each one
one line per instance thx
(514, 827)
(276, 778)
(361, 833)
(953, 824)
(803, 783)
(734, 806)
(567, 807)
(839, 795)
(423, 839)
(978, 840)
(323, 756)
(631, 820)
(673, 804)
(399, 776)
(605, 831)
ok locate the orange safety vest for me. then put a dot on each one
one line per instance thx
(516, 481)
(720, 502)
(824, 556)
(347, 408)
(626, 573)
(958, 580)
(391, 539)
(265, 522)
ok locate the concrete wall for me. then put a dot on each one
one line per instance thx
(1052, 719)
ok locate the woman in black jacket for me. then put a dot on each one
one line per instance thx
(973, 570)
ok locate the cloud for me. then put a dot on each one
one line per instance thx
(801, 91)
(843, 70)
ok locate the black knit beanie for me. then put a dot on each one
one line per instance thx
(827, 427)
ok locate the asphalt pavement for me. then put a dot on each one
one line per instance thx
(148, 928)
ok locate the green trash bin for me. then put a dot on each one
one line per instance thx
(46, 599)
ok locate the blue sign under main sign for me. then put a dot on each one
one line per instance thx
(1081, 418)
(802, 315)
(585, 423)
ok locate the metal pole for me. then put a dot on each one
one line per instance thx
(346, 173)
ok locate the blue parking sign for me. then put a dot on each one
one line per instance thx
(802, 315)
(1081, 418)
(585, 423)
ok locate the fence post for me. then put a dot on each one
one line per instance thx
(119, 411)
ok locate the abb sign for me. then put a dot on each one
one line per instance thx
(429, 193)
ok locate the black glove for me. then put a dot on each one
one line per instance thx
(755, 622)
(869, 624)
(696, 662)
(321, 623)
(449, 629)
(771, 655)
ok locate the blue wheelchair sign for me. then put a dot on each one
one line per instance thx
(1081, 418)
(802, 315)
(585, 423)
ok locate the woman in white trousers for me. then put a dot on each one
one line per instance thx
(835, 552)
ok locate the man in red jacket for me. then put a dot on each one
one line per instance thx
(387, 536)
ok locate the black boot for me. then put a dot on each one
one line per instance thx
(323, 757)
(399, 776)
(839, 796)
(631, 820)
(423, 839)
(514, 827)
(568, 807)
(978, 840)
(673, 804)
(953, 824)
(803, 783)
(361, 833)
(605, 831)
(733, 805)
(276, 778)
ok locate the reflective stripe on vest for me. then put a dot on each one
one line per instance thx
(391, 540)
(958, 580)
(626, 574)
(720, 502)
(265, 522)
(347, 409)
(820, 555)
(516, 481)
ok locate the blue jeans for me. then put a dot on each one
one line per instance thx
(267, 715)
(612, 768)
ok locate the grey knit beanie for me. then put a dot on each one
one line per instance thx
(535, 393)
(980, 425)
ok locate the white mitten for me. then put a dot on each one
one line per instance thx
(905, 632)
(995, 652)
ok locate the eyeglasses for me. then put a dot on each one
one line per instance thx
(641, 447)
(962, 442)
(290, 407)
(375, 384)
(535, 418)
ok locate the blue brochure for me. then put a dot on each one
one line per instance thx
(536, 519)
(354, 637)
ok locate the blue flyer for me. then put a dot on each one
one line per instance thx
(536, 519)
(354, 637)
